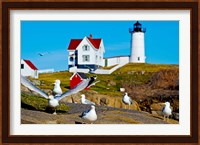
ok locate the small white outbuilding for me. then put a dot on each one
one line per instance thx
(28, 69)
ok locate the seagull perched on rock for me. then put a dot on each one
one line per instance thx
(85, 101)
(127, 100)
(57, 89)
(167, 111)
(89, 115)
(53, 101)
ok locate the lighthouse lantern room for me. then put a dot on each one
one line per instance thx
(137, 43)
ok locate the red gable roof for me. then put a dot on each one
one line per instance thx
(75, 42)
(31, 64)
(95, 42)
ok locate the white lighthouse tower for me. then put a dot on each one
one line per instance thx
(137, 43)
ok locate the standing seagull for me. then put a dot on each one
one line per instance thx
(54, 100)
(127, 100)
(57, 90)
(89, 115)
(167, 111)
(85, 101)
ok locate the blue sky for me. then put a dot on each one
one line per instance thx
(161, 40)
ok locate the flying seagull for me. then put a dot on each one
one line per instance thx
(57, 90)
(54, 100)
(167, 111)
(89, 115)
(127, 100)
(85, 101)
(42, 54)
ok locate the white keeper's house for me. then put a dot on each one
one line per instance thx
(86, 53)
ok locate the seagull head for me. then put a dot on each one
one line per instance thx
(93, 107)
(51, 97)
(83, 96)
(126, 93)
(57, 82)
(95, 77)
(167, 104)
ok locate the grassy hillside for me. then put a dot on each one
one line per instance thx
(147, 84)
(137, 74)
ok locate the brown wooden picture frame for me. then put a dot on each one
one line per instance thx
(7, 6)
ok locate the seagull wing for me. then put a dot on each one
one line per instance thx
(131, 100)
(89, 102)
(93, 84)
(163, 109)
(29, 85)
(84, 113)
(81, 86)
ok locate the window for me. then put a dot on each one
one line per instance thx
(71, 59)
(86, 48)
(22, 66)
(86, 58)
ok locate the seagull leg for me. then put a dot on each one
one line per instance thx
(167, 118)
(55, 112)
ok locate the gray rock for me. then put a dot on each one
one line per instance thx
(175, 116)
(36, 82)
(103, 102)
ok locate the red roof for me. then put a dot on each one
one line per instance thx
(95, 42)
(31, 64)
(75, 42)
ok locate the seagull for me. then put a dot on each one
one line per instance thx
(167, 111)
(91, 81)
(127, 100)
(57, 90)
(53, 101)
(85, 101)
(42, 54)
(90, 114)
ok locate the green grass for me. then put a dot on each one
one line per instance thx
(144, 67)
(49, 79)
(110, 84)
(40, 103)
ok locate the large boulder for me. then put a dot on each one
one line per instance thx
(101, 100)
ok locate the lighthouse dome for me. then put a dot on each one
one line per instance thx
(137, 27)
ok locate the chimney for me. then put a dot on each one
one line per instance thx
(90, 36)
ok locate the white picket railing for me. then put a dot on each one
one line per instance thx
(45, 71)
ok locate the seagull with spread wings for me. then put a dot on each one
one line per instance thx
(53, 101)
